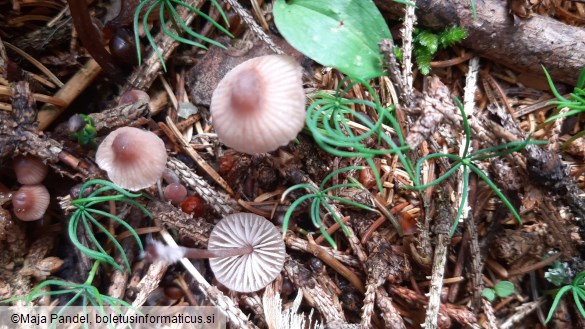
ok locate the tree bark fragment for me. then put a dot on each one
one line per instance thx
(536, 41)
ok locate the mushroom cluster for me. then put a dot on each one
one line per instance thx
(133, 158)
(260, 104)
(245, 252)
(31, 200)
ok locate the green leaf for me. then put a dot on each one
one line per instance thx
(504, 289)
(429, 40)
(489, 294)
(343, 34)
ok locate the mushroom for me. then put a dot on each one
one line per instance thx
(133, 158)
(175, 193)
(30, 202)
(260, 104)
(246, 252)
(133, 96)
(29, 169)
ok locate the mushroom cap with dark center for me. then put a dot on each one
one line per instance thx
(133, 158)
(30, 202)
(260, 104)
(252, 271)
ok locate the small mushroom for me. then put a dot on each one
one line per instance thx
(29, 169)
(30, 202)
(133, 158)
(175, 193)
(246, 252)
(260, 104)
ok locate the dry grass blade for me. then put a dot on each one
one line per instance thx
(78, 83)
(36, 63)
(198, 159)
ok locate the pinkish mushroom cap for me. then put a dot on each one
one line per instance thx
(260, 104)
(30, 202)
(252, 271)
(29, 169)
(133, 158)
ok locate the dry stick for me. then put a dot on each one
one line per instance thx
(196, 229)
(148, 284)
(314, 293)
(452, 61)
(146, 74)
(390, 315)
(221, 203)
(522, 312)
(323, 255)
(442, 229)
(198, 159)
(77, 84)
(234, 315)
(37, 97)
(254, 27)
(299, 244)
(387, 48)
(458, 269)
(119, 116)
(535, 266)
(489, 313)
(407, 31)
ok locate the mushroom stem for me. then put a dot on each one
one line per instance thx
(194, 253)
(157, 250)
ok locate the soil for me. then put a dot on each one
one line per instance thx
(387, 255)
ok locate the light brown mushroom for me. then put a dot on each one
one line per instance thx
(29, 169)
(260, 104)
(133, 158)
(245, 252)
(30, 202)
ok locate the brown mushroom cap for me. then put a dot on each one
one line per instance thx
(253, 271)
(30, 202)
(29, 169)
(133, 158)
(260, 104)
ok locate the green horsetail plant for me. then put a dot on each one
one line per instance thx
(84, 293)
(330, 119)
(320, 197)
(84, 216)
(577, 289)
(167, 8)
(467, 161)
(576, 101)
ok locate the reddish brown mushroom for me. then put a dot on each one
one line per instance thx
(260, 104)
(133, 158)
